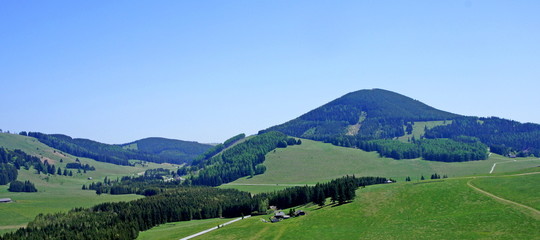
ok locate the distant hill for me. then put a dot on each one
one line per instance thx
(184, 151)
(373, 119)
(370, 114)
(171, 151)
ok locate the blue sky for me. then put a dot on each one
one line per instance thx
(118, 71)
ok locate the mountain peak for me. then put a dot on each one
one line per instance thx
(377, 113)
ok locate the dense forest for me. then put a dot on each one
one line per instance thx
(505, 137)
(378, 114)
(124, 220)
(170, 150)
(243, 159)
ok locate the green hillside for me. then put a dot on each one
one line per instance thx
(313, 162)
(181, 151)
(57, 193)
(441, 209)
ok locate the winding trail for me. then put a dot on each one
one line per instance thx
(214, 228)
(535, 212)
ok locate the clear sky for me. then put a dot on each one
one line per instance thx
(118, 71)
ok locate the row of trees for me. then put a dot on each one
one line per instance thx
(78, 165)
(459, 149)
(505, 137)
(18, 186)
(339, 191)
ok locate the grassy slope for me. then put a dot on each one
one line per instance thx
(56, 193)
(446, 209)
(419, 129)
(524, 189)
(314, 162)
(177, 230)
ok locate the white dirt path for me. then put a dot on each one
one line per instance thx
(214, 228)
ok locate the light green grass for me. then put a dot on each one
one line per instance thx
(314, 162)
(57, 193)
(419, 129)
(524, 189)
(445, 209)
(177, 230)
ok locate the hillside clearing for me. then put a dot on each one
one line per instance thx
(314, 162)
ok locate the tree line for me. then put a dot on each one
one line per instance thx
(243, 159)
(504, 137)
(458, 149)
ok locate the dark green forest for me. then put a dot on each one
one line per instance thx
(505, 137)
(171, 150)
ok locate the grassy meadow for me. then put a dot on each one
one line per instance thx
(57, 193)
(441, 209)
(524, 189)
(314, 162)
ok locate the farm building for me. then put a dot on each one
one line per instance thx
(5, 200)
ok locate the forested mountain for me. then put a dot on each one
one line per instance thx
(171, 149)
(116, 154)
(367, 114)
(372, 120)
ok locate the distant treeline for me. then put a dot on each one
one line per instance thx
(459, 149)
(243, 159)
(78, 165)
(217, 149)
(114, 154)
(504, 137)
(124, 220)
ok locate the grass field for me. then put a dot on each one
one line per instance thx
(443, 209)
(524, 189)
(179, 230)
(314, 162)
(57, 193)
(419, 129)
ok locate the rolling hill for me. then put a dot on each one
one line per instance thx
(177, 150)
(375, 113)
(159, 150)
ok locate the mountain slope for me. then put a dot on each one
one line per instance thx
(168, 148)
(372, 114)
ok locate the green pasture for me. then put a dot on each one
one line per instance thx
(524, 189)
(441, 209)
(314, 162)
